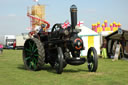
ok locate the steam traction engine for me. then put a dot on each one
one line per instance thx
(58, 48)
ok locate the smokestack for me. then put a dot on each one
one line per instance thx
(73, 11)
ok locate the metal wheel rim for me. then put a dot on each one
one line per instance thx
(91, 60)
(31, 54)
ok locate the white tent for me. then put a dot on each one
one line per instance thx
(90, 39)
(86, 31)
(105, 33)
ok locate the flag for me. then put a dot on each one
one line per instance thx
(66, 24)
(36, 0)
(80, 23)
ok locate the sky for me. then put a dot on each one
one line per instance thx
(13, 19)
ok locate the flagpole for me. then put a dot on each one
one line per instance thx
(36, 2)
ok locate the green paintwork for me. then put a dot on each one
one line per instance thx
(27, 58)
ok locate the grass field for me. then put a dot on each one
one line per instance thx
(12, 72)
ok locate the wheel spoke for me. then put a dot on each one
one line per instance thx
(91, 58)
(30, 65)
(34, 64)
(30, 45)
(89, 63)
(33, 46)
(36, 54)
(35, 50)
(27, 58)
(56, 65)
(90, 66)
(28, 54)
(28, 50)
(35, 60)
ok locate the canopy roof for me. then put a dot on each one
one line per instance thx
(117, 36)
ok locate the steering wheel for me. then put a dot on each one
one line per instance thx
(56, 27)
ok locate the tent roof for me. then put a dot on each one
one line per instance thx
(85, 31)
(116, 36)
(105, 33)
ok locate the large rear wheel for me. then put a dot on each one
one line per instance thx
(33, 54)
(92, 59)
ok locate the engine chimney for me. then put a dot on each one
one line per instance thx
(73, 11)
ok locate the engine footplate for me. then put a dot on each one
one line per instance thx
(75, 61)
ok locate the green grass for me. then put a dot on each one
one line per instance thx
(12, 72)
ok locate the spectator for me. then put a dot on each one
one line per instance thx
(14, 44)
(43, 28)
(103, 49)
(123, 42)
(117, 51)
(1, 48)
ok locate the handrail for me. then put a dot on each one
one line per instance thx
(33, 17)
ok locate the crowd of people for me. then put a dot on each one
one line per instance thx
(118, 49)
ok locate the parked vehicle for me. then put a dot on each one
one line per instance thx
(7, 41)
(20, 40)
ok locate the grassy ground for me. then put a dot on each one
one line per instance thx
(12, 72)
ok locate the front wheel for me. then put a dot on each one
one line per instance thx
(33, 54)
(92, 59)
(59, 61)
